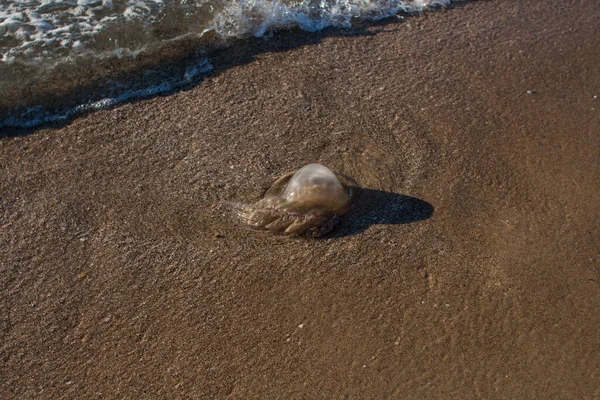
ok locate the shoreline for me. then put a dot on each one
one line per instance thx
(469, 269)
(94, 82)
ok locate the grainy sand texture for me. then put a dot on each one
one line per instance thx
(468, 268)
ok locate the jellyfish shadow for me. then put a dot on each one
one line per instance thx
(374, 207)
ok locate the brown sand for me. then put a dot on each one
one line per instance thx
(114, 283)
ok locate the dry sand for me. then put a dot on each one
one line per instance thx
(469, 269)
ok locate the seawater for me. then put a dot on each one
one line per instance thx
(49, 48)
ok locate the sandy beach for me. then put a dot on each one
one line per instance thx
(469, 266)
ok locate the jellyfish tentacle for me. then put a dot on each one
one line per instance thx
(279, 225)
(262, 217)
(244, 211)
(298, 227)
(327, 227)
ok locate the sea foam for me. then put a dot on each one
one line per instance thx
(38, 37)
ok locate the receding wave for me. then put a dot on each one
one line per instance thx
(49, 48)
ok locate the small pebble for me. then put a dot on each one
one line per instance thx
(530, 92)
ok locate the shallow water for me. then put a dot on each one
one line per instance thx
(48, 47)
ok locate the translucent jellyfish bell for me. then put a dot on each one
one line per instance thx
(314, 187)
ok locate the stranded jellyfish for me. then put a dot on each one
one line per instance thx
(308, 201)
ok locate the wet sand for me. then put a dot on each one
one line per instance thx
(468, 268)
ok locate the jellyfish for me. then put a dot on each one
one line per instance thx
(308, 202)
